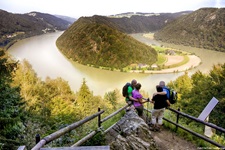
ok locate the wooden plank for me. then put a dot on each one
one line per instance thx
(113, 114)
(84, 139)
(79, 148)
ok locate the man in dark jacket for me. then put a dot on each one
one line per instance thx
(160, 102)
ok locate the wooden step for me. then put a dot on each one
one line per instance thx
(79, 148)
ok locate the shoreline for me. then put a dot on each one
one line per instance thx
(193, 62)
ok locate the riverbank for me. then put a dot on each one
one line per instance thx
(193, 62)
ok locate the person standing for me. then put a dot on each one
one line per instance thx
(138, 103)
(129, 98)
(165, 90)
(160, 101)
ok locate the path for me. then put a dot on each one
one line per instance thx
(168, 140)
(173, 59)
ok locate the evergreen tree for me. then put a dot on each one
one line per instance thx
(86, 103)
(32, 88)
(83, 101)
(10, 105)
(111, 98)
(61, 101)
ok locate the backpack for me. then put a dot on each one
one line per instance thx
(125, 89)
(172, 95)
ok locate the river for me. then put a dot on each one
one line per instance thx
(48, 61)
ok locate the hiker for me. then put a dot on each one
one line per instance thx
(160, 101)
(138, 104)
(129, 98)
(170, 93)
(165, 91)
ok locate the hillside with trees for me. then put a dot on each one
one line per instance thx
(203, 28)
(195, 92)
(11, 105)
(30, 105)
(96, 41)
(143, 22)
(18, 26)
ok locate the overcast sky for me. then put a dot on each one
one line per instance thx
(78, 8)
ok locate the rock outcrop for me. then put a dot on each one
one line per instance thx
(130, 132)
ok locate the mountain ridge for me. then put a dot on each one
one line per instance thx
(203, 28)
(143, 22)
(19, 26)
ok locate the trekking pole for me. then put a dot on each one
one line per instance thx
(147, 120)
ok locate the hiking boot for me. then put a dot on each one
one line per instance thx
(152, 128)
(127, 109)
(158, 129)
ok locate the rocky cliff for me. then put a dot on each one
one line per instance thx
(130, 132)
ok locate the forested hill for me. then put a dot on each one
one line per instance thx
(18, 26)
(204, 28)
(96, 41)
(143, 22)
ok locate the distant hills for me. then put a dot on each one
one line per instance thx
(143, 22)
(18, 26)
(98, 42)
(204, 28)
(69, 19)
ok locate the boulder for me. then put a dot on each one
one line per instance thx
(130, 132)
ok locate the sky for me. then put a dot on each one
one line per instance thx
(78, 8)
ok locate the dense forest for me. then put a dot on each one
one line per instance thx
(94, 41)
(203, 28)
(31, 106)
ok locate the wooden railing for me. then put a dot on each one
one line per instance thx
(190, 131)
(73, 126)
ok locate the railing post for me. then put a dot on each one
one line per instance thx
(37, 138)
(177, 119)
(99, 118)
